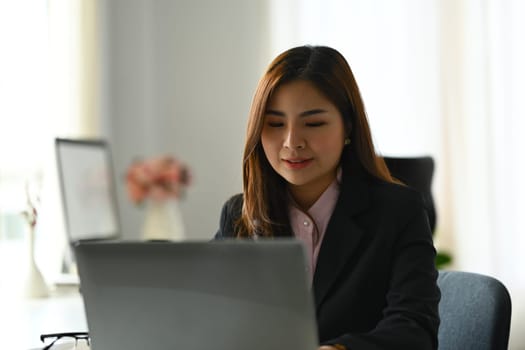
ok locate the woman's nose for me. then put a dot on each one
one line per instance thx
(293, 139)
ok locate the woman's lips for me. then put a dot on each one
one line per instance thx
(297, 163)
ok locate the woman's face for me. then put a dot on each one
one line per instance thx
(303, 138)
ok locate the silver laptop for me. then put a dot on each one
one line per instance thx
(230, 295)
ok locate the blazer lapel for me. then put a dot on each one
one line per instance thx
(342, 236)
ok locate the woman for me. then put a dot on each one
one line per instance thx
(311, 171)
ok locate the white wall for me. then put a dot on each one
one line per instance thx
(180, 79)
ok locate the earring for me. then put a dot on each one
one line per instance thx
(347, 141)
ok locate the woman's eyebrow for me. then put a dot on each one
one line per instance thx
(302, 114)
(275, 112)
(313, 112)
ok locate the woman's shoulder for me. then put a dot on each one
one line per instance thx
(395, 195)
(395, 204)
(231, 212)
(234, 204)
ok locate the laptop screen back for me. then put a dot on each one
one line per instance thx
(197, 295)
(87, 186)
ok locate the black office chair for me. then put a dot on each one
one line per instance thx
(475, 312)
(416, 172)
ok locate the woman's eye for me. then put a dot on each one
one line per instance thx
(315, 124)
(275, 124)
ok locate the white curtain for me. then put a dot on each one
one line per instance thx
(445, 78)
(484, 118)
(48, 65)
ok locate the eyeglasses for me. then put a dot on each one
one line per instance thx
(57, 336)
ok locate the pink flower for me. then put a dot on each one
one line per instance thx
(157, 178)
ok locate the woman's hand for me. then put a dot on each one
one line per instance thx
(327, 347)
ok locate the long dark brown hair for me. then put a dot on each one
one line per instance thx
(265, 207)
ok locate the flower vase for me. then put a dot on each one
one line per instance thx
(34, 284)
(163, 221)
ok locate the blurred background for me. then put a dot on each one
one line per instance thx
(443, 78)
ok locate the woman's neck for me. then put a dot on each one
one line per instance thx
(306, 197)
(307, 194)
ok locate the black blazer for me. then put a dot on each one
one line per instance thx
(375, 281)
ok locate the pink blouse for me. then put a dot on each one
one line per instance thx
(310, 227)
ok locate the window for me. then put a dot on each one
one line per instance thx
(44, 59)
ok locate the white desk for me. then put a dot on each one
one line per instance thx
(23, 320)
